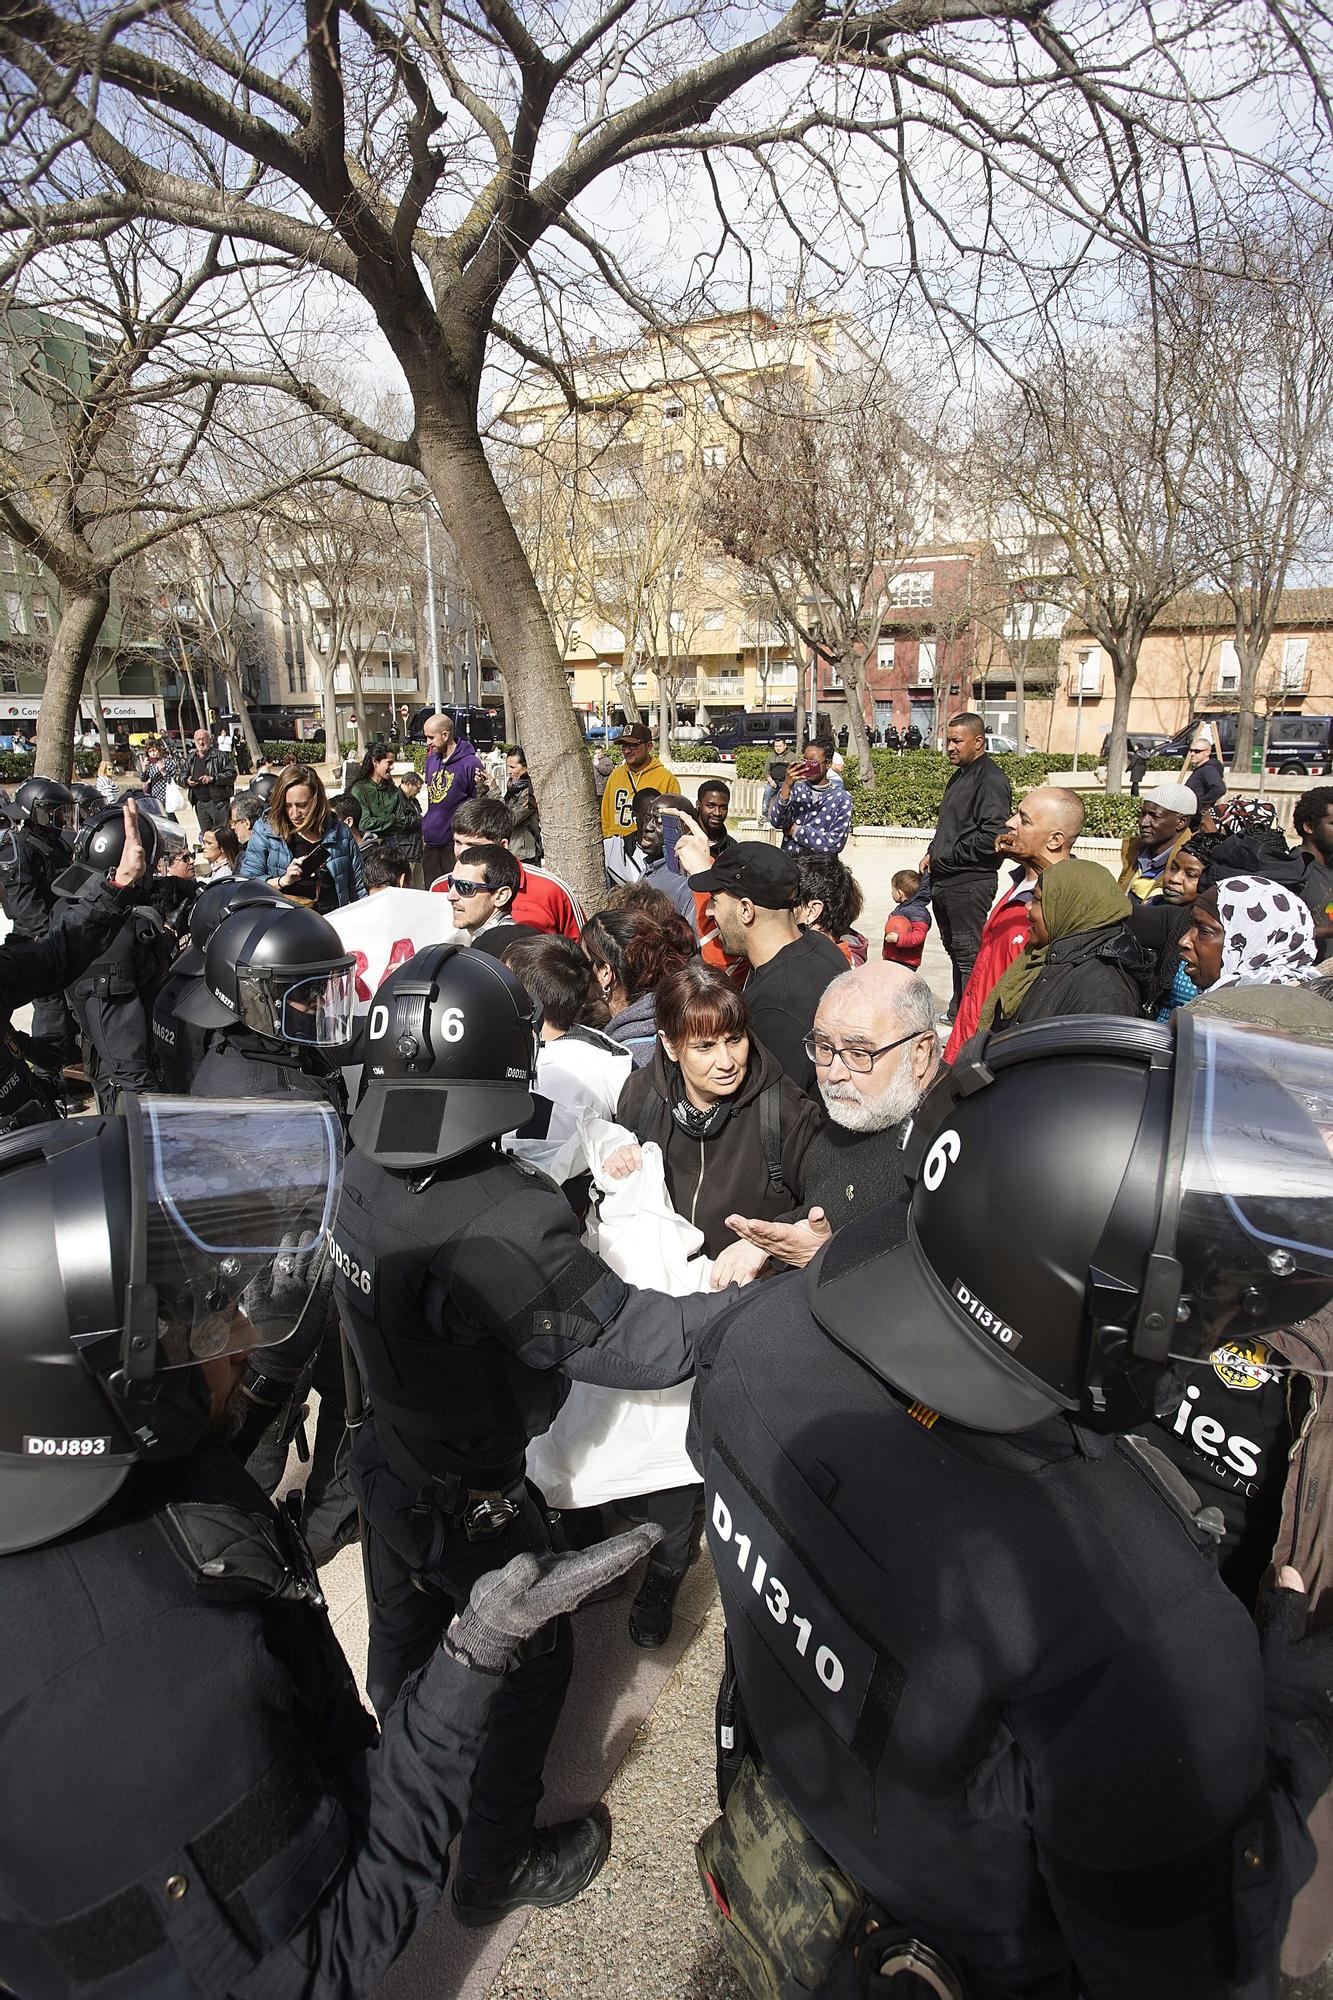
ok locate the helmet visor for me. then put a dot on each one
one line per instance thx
(1256, 1219)
(237, 1198)
(313, 1009)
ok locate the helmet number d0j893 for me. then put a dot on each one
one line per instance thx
(940, 1158)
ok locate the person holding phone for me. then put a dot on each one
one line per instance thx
(810, 810)
(300, 847)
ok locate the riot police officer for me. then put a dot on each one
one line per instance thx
(470, 1302)
(112, 999)
(178, 1045)
(980, 1641)
(192, 1799)
(32, 854)
(276, 993)
(31, 967)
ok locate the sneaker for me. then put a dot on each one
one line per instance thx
(558, 1866)
(650, 1613)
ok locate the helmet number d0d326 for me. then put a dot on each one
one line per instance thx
(940, 1158)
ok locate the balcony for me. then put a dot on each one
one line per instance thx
(727, 688)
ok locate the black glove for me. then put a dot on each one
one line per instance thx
(512, 1604)
(1298, 1669)
(294, 1288)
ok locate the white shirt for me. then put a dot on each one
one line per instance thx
(577, 1076)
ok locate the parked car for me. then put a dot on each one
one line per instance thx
(1005, 746)
(1299, 746)
(755, 731)
(1141, 740)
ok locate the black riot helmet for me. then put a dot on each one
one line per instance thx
(44, 802)
(101, 844)
(1093, 1203)
(450, 1055)
(281, 971)
(219, 900)
(87, 801)
(131, 1249)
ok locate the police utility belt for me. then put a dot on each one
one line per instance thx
(482, 1511)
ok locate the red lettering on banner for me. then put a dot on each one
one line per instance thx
(403, 950)
(362, 966)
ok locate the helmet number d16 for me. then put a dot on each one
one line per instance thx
(452, 1025)
(940, 1158)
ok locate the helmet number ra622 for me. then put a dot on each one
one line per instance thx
(940, 1158)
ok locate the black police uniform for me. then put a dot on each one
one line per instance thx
(243, 1830)
(470, 1302)
(79, 933)
(31, 857)
(177, 1047)
(997, 1677)
(112, 1003)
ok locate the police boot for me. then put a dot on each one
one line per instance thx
(650, 1613)
(558, 1866)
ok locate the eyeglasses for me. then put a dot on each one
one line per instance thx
(859, 1061)
(464, 885)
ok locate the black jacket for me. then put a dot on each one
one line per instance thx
(1105, 971)
(33, 968)
(782, 997)
(998, 1678)
(240, 1064)
(192, 1799)
(726, 1173)
(1207, 783)
(31, 857)
(977, 801)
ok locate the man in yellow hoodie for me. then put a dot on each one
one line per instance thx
(640, 768)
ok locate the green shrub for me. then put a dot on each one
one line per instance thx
(693, 753)
(1113, 818)
(304, 753)
(15, 768)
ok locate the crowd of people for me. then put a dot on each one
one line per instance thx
(1008, 1322)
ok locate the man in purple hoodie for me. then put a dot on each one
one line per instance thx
(453, 773)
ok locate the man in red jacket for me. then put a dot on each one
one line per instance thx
(1040, 831)
(543, 901)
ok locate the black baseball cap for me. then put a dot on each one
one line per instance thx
(766, 875)
(636, 732)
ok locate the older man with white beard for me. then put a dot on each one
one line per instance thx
(876, 1054)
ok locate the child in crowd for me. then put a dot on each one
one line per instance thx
(906, 926)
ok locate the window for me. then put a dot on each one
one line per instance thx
(672, 412)
(1228, 668)
(715, 618)
(715, 456)
(678, 621)
(673, 461)
(782, 670)
(912, 590)
(1088, 672)
(9, 680)
(1293, 663)
(884, 656)
(39, 610)
(297, 675)
(925, 664)
(14, 610)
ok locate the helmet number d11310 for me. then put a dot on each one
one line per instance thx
(940, 1158)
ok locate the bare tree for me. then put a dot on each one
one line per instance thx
(433, 162)
(210, 572)
(108, 425)
(828, 498)
(1255, 337)
(1097, 448)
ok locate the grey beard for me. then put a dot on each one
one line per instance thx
(855, 1113)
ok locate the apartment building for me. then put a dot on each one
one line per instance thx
(611, 503)
(1188, 665)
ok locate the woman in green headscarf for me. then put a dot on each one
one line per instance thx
(1080, 959)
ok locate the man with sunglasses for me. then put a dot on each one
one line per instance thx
(876, 1054)
(481, 888)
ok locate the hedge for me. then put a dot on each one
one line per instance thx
(14, 767)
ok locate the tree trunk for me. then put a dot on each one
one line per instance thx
(236, 695)
(501, 578)
(1124, 672)
(99, 718)
(81, 621)
(1249, 656)
(511, 734)
(328, 702)
(1020, 706)
(359, 727)
(800, 696)
(856, 718)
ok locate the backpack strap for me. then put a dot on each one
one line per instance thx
(770, 1136)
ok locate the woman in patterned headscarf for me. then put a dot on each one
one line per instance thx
(1248, 932)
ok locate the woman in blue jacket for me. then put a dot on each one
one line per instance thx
(302, 849)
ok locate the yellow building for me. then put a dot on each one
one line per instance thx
(611, 502)
(1188, 667)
